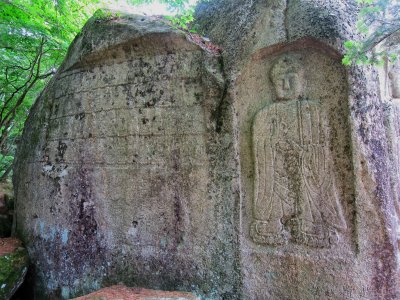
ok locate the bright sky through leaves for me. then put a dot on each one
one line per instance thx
(155, 8)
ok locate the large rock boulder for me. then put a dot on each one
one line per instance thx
(261, 174)
(319, 206)
(125, 166)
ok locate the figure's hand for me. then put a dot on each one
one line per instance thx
(282, 146)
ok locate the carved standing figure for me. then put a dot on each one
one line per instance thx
(295, 198)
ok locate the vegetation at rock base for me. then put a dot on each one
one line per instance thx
(34, 38)
(379, 24)
(13, 267)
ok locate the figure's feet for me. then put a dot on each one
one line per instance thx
(315, 235)
(264, 232)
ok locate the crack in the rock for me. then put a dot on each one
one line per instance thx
(285, 22)
(222, 104)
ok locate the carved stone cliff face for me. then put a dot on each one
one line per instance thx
(144, 162)
(121, 171)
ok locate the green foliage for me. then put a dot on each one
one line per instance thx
(182, 9)
(34, 38)
(105, 15)
(183, 20)
(5, 161)
(176, 6)
(379, 23)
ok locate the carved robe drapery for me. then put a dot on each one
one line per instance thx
(295, 197)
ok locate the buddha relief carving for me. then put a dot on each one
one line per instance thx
(295, 198)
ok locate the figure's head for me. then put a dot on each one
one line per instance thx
(287, 77)
(394, 76)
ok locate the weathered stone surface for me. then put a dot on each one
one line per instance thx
(124, 172)
(143, 162)
(243, 27)
(123, 292)
(13, 266)
(310, 228)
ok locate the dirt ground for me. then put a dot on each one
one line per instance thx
(8, 245)
(121, 292)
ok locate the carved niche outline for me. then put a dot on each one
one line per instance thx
(295, 197)
(393, 117)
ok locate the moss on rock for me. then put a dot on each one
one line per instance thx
(13, 267)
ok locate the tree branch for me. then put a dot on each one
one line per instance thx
(26, 87)
(378, 41)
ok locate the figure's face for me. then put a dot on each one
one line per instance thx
(287, 85)
(394, 76)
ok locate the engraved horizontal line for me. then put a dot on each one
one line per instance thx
(199, 164)
(123, 84)
(129, 135)
(83, 70)
(127, 109)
